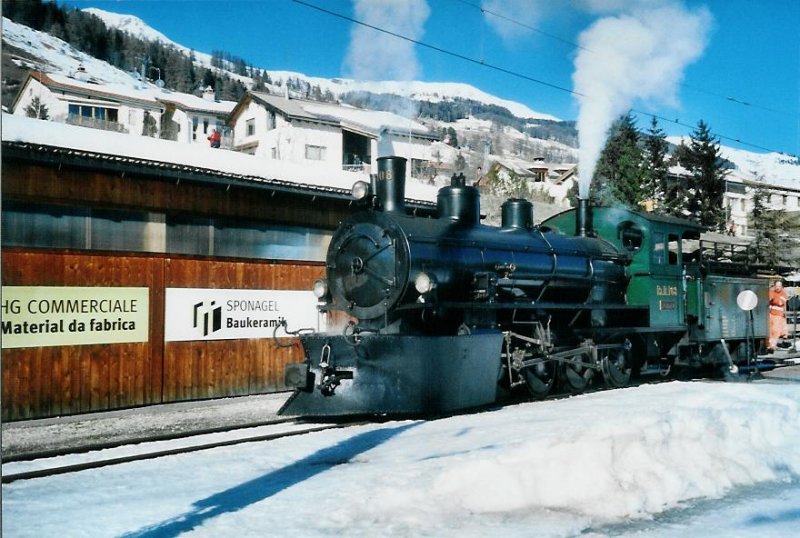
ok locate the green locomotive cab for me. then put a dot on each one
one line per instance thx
(687, 287)
(656, 246)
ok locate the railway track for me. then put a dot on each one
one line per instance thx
(51, 462)
(55, 462)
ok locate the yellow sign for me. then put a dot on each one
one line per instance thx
(667, 291)
(41, 316)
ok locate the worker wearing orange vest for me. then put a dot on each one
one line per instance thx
(777, 315)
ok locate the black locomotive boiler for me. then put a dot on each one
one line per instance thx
(447, 314)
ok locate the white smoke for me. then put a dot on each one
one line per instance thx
(639, 55)
(374, 55)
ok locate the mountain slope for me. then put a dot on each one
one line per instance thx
(431, 91)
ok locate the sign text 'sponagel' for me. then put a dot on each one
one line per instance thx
(227, 314)
(41, 316)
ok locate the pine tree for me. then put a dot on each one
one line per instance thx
(656, 164)
(620, 170)
(706, 182)
(36, 109)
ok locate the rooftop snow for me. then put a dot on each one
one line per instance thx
(22, 129)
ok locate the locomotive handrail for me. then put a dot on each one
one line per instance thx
(298, 332)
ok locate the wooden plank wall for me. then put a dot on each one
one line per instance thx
(212, 369)
(52, 381)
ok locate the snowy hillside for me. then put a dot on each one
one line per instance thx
(423, 91)
(56, 56)
(429, 91)
(774, 168)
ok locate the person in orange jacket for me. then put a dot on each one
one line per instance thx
(215, 138)
(777, 315)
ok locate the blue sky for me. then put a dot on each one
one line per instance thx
(751, 53)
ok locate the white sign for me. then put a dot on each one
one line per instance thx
(213, 314)
(41, 316)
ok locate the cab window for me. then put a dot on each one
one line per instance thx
(631, 236)
(674, 249)
(659, 250)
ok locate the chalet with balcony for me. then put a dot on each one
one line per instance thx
(331, 135)
(83, 100)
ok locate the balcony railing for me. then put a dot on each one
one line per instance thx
(94, 123)
(355, 167)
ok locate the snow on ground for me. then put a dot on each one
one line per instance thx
(619, 462)
(21, 129)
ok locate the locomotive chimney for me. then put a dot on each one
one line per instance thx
(583, 218)
(390, 184)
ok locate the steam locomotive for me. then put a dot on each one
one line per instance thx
(447, 314)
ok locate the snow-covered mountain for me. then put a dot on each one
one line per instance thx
(429, 91)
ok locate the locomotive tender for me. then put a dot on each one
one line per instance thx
(450, 314)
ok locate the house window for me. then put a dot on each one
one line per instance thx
(274, 153)
(195, 123)
(251, 127)
(270, 120)
(205, 126)
(94, 112)
(315, 153)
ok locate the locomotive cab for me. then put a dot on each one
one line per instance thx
(656, 245)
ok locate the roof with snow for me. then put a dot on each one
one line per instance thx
(369, 122)
(82, 82)
(47, 141)
(91, 87)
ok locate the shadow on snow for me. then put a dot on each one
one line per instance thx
(258, 489)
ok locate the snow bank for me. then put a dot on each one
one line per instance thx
(556, 468)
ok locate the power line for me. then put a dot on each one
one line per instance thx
(510, 72)
(523, 25)
(440, 49)
(698, 89)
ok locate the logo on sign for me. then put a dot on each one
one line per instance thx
(208, 317)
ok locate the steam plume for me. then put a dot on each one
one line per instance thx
(636, 55)
(373, 55)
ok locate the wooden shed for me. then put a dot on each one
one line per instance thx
(91, 235)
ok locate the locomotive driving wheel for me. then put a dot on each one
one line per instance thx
(576, 375)
(616, 365)
(540, 378)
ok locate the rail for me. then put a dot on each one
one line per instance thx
(22, 471)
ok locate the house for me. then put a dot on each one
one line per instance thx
(737, 197)
(190, 119)
(738, 200)
(145, 110)
(83, 100)
(342, 137)
(553, 179)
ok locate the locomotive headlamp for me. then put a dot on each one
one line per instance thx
(424, 282)
(360, 190)
(320, 288)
